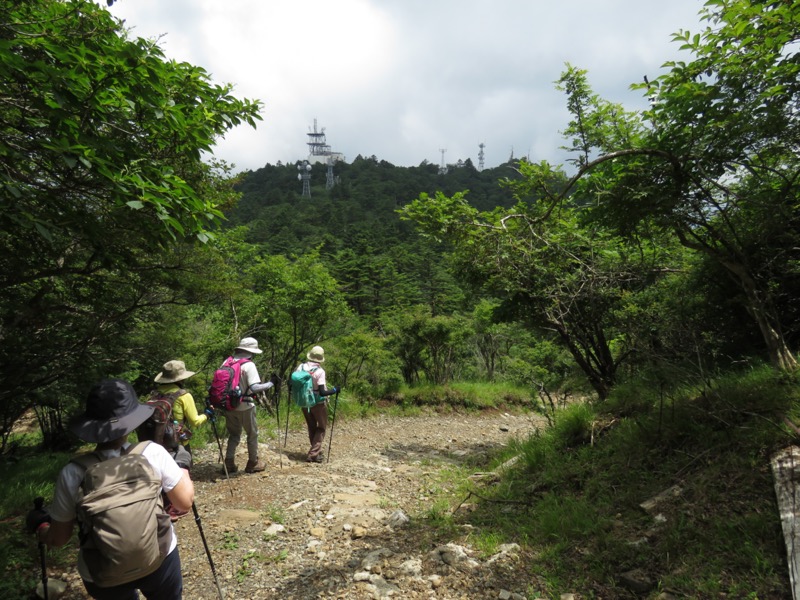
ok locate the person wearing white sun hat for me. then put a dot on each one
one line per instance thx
(243, 418)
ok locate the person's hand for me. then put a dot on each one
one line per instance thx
(275, 380)
(212, 416)
(336, 390)
(37, 517)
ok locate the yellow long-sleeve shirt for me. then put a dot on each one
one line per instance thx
(184, 410)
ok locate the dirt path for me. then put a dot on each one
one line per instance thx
(338, 529)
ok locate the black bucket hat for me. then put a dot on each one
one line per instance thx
(112, 411)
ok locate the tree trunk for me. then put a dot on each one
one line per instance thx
(779, 354)
(601, 379)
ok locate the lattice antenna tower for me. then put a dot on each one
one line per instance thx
(317, 146)
(329, 180)
(480, 156)
(442, 166)
(304, 175)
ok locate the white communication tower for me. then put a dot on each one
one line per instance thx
(443, 166)
(317, 145)
(480, 156)
(305, 176)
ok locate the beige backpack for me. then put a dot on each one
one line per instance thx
(125, 533)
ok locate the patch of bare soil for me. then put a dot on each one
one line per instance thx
(347, 528)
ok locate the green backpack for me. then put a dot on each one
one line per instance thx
(302, 386)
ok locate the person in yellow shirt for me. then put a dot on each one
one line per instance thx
(184, 410)
(184, 414)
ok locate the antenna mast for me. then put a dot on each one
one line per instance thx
(317, 146)
(443, 166)
(304, 175)
(329, 180)
(480, 156)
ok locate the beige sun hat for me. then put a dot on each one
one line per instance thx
(316, 354)
(249, 344)
(172, 371)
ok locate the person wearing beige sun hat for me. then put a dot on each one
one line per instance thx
(184, 417)
(316, 416)
(243, 418)
(184, 409)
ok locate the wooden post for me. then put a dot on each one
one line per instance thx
(786, 473)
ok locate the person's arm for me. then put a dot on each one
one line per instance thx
(261, 387)
(57, 531)
(175, 481)
(190, 411)
(254, 385)
(322, 390)
(182, 495)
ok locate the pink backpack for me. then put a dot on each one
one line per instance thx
(225, 392)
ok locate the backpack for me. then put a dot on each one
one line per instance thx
(160, 427)
(225, 391)
(302, 386)
(125, 533)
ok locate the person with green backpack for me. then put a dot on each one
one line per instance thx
(114, 495)
(309, 392)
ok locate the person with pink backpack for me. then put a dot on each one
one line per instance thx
(243, 416)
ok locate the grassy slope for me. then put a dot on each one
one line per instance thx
(573, 499)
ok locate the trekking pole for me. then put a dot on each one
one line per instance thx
(43, 559)
(219, 445)
(208, 552)
(333, 422)
(288, 407)
(278, 417)
(38, 502)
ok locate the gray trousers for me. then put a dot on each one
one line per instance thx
(235, 422)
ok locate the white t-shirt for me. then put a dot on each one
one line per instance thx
(248, 375)
(65, 498)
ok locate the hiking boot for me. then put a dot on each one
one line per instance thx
(230, 466)
(254, 466)
(319, 458)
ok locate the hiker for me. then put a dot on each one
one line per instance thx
(316, 415)
(112, 412)
(184, 417)
(184, 410)
(243, 417)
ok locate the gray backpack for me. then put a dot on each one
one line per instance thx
(125, 533)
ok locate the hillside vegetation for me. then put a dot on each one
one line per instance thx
(649, 284)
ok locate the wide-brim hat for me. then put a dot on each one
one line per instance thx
(316, 354)
(249, 344)
(172, 371)
(112, 411)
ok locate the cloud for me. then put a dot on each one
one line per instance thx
(402, 80)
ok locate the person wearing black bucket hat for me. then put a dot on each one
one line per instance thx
(112, 412)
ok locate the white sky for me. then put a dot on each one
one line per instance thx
(404, 79)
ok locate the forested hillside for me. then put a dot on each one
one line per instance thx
(379, 261)
(666, 248)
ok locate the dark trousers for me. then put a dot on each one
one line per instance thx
(317, 422)
(165, 583)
